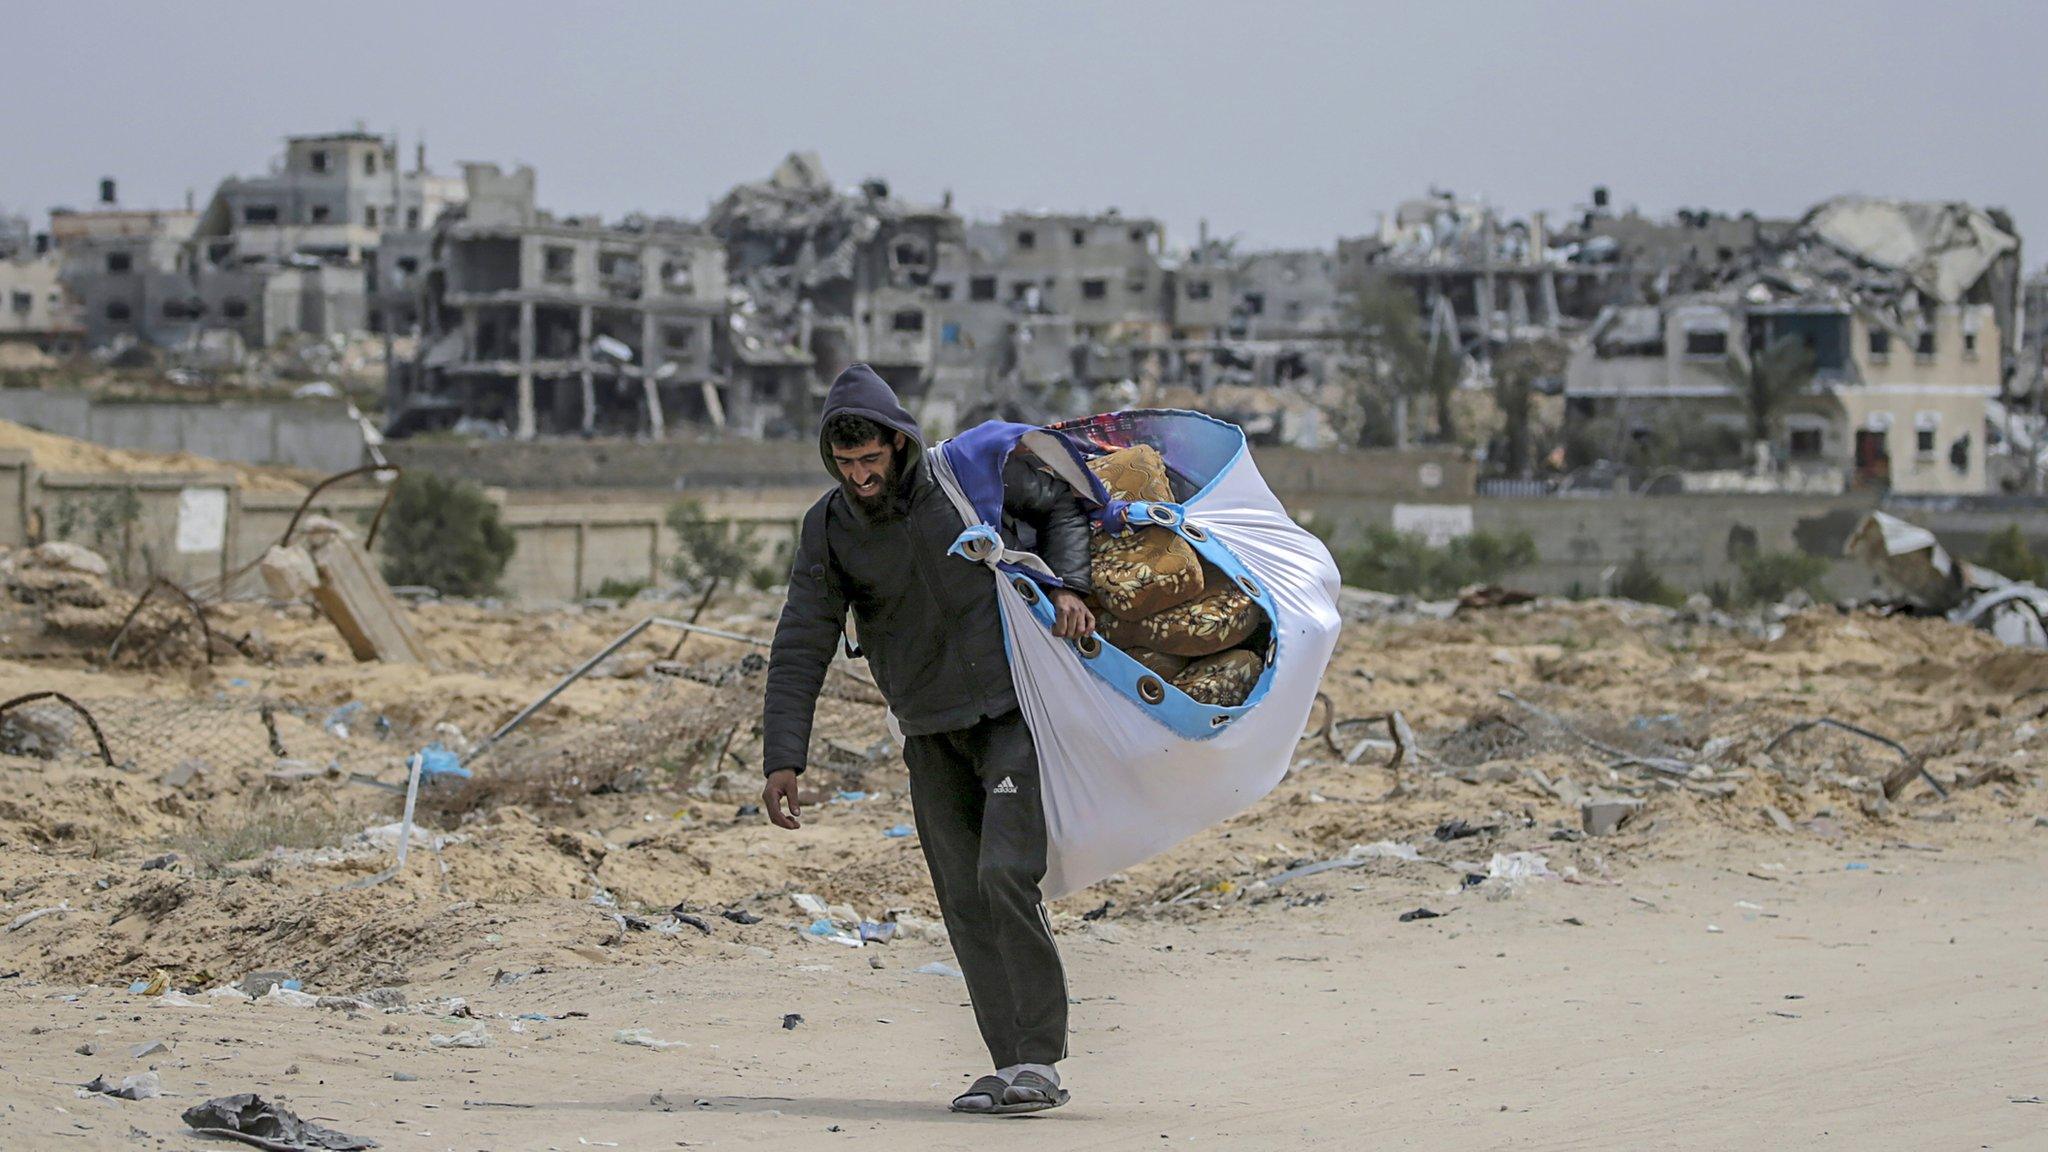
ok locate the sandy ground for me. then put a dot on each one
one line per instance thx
(1892, 1006)
(1875, 980)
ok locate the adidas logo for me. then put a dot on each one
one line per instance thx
(1007, 788)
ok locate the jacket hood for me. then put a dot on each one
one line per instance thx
(861, 391)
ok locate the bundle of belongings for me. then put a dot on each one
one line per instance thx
(1156, 599)
(1216, 615)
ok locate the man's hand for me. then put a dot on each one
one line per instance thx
(781, 788)
(1074, 620)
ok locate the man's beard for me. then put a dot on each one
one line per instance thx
(883, 505)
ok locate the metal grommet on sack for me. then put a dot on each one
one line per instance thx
(1195, 534)
(1026, 589)
(1250, 586)
(978, 549)
(1090, 646)
(1151, 690)
(1218, 721)
(1163, 516)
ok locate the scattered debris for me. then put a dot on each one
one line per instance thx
(142, 1086)
(644, 1038)
(791, 1020)
(475, 1036)
(251, 1120)
(938, 968)
(1419, 914)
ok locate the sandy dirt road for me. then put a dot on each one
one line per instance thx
(1897, 1005)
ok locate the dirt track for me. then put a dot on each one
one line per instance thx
(1499, 1025)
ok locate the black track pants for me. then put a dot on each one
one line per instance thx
(979, 816)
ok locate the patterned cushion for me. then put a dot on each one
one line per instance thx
(1160, 664)
(1148, 569)
(1134, 473)
(1224, 679)
(1144, 571)
(1208, 624)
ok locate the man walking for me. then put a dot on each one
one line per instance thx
(932, 631)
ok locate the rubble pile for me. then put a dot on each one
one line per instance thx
(1500, 744)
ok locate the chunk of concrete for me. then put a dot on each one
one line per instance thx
(1603, 817)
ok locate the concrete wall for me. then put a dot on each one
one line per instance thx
(318, 435)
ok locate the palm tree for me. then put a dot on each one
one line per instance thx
(1516, 369)
(1773, 376)
(1385, 331)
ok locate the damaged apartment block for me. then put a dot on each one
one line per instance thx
(568, 327)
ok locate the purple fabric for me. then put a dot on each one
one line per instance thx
(977, 457)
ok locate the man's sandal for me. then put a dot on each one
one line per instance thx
(1030, 1092)
(984, 1095)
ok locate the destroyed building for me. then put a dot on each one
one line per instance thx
(822, 278)
(35, 311)
(326, 244)
(130, 271)
(1905, 309)
(561, 326)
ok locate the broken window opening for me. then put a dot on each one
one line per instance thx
(1880, 345)
(1959, 454)
(1255, 303)
(558, 264)
(676, 275)
(370, 216)
(1804, 444)
(1923, 346)
(1094, 289)
(1706, 344)
(318, 160)
(259, 213)
(234, 309)
(1080, 237)
(1969, 345)
(22, 302)
(119, 262)
(981, 288)
(1026, 238)
(412, 219)
(678, 337)
(1198, 289)
(942, 292)
(116, 310)
(320, 212)
(949, 334)
(369, 163)
(1923, 441)
(907, 320)
(1138, 236)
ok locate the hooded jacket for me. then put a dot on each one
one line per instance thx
(927, 622)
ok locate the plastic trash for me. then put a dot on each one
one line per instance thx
(475, 1036)
(282, 996)
(899, 831)
(249, 1119)
(790, 1020)
(1516, 867)
(437, 760)
(1419, 914)
(337, 721)
(645, 1038)
(936, 968)
(808, 904)
(848, 797)
(1858, 866)
(142, 1086)
(874, 933)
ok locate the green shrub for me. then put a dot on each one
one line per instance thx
(707, 549)
(620, 590)
(1404, 564)
(1769, 577)
(1638, 580)
(444, 533)
(2007, 554)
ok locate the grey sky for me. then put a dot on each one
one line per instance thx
(1287, 124)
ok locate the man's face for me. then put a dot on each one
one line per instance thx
(869, 470)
